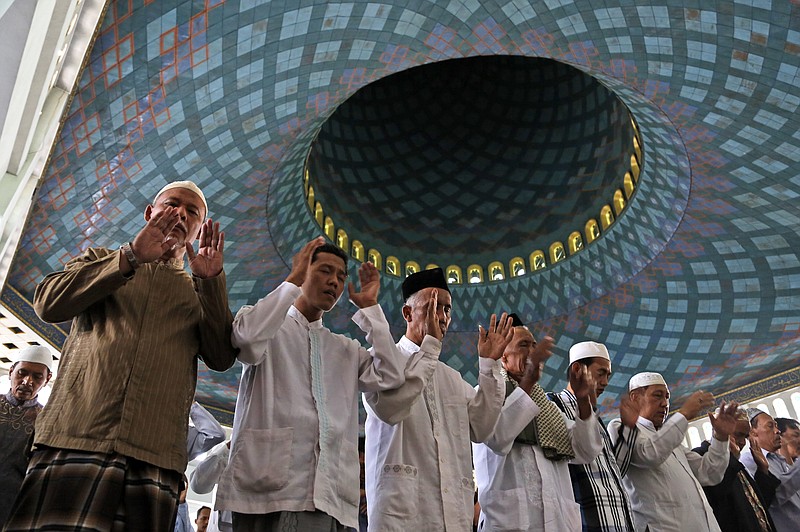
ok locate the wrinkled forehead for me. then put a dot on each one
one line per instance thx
(522, 333)
(31, 367)
(184, 195)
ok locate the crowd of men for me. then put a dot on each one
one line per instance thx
(109, 450)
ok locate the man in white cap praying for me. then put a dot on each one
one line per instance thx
(110, 446)
(665, 479)
(597, 485)
(18, 410)
(522, 469)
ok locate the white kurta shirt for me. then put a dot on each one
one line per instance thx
(518, 488)
(295, 430)
(665, 479)
(418, 460)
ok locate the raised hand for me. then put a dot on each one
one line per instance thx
(581, 382)
(302, 261)
(493, 341)
(208, 260)
(432, 326)
(724, 423)
(734, 447)
(628, 411)
(153, 241)
(370, 281)
(696, 403)
(758, 456)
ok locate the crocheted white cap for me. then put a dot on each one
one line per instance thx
(583, 350)
(37, 354)
(647, 378)
(188, 185)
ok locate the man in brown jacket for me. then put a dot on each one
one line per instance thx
(110, 446)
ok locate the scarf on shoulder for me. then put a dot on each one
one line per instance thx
(548, 430)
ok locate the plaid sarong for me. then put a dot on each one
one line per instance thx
(78, 491)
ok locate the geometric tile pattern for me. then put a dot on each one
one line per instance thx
(698, 279)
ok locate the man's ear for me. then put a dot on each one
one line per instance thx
(407, 311)
(148, 212)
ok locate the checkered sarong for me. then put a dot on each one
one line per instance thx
(79, 491)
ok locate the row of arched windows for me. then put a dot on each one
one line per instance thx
(495, 271)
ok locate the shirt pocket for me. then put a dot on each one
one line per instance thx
(348, 485)
(398, 486)
(262, 459)
(508, 509)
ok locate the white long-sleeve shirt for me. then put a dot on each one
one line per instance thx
(518, 488)
(665, 479)
(418, 461)
(204, 479)
(295, 430)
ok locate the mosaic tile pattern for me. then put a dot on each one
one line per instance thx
(698, 279)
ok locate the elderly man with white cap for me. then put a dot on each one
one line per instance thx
(597, 485)
(110, 447)
(18, 410)
(665, 479)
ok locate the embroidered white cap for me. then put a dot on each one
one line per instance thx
(583, 350)
(648, 378)
(37, 354)
(188, 185)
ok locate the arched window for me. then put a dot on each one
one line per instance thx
(637, 150)
(412, 268)
(537, 260)
(310, 197)
(517, 266)
(780, 408)
(431, 266)
(393, 266)
(357, 250)
(374, 257)
(329, 229)
(606, 217)
(496, 271)
(341, 239)
(628, 185)
(318, 214)
(619, 202)
(635, 168)
(557, 252)
(453, 274)
(592, 230)
(475, 274)
(575, 242)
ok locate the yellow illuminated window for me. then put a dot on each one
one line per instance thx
(575, 242)
(453, 274)
(341, 239)
(310, 198)
(475, 274)
(537, 260)
(318, 214)
(628, 185)
(635, 167)
(557, 252)
(592, 230)
(496, 271)
(431, 266)
(329, 229)
(412, 267)
(619, 202)
(374, 257)
(393, 266)
(358, 250)
(517, 266)
(606, 217)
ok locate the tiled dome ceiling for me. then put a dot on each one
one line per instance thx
(697, 279)
(472, 160)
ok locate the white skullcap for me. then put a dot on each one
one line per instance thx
(648, 378)
(583, 350)
(37, 354)
(188, 185)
